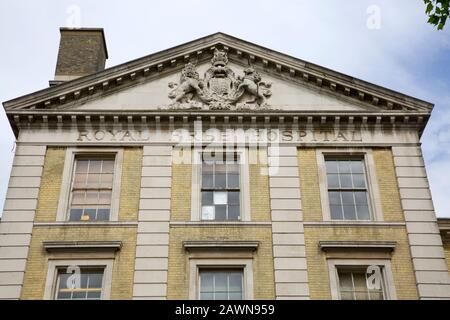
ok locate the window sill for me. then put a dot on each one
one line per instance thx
(349, 223)
(219, 223)
(92, 224)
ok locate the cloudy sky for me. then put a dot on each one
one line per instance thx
(385, 42)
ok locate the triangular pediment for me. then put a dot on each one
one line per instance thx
(295, 85)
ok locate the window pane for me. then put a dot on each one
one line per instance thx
(363, 212)
(95, 166)
(75, 214)
(361, 198)
(208, 213)
(108, 166)
(206, 296)
(91, 213)
(207, 198)
(333, 181)
(235, 281)
(233, 168)
(221, 296)
(102, 214)
(235, 295)
(220, 198)
(63, 295)
(346, 180)
(80, 180)
(221, 213)
(349, 213)
(92, 197)
(93, 180)
(79, 295)
(82, 166)
(332, 166)
(344, 167)
(357, 167)
(336, 212)
(347, 198)
(345, 281)
(78, 197)
(94, 295)
(104, 197)
(233, 181)
(208, 168)
(358, 181)
(206, 282)
(233, 197)
(334, 197)
(220, 282)
(221, 180)
(106, 180)
(234, 213)
(220, 168)
(95, 280)
(207, 181)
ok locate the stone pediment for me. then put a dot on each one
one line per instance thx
(218, 72)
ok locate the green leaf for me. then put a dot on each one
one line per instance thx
(429, 8)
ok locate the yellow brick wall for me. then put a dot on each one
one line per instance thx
(309, 185)
(387, 184)
(123, 269)
(130, 189)
(181, 186)
(259, 185)
(263, 274)
(50, 184)
(319, 283)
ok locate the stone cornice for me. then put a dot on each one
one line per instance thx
(164, 62)
(77, 245)
(362, 245)
(267, 118)
(201, 245)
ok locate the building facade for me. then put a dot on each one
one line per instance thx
(217, 169)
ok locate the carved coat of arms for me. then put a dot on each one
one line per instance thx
(219, 88)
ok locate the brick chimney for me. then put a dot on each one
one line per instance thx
(81, 52)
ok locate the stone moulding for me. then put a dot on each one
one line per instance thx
(363, 245)
(240, 245)
(77, 245)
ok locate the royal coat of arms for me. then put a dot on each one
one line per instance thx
(219, 88)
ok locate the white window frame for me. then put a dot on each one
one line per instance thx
(244, 184)
(195, 265)
(55, 265)
(388, 279)
(67, 180)
(374, 200)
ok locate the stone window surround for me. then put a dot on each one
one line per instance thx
(243, 177)
(371, 178)
(66, 183)
(197, 263)
(52, 274)
(388, 279)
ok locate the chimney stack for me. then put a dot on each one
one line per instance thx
(82, 52)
